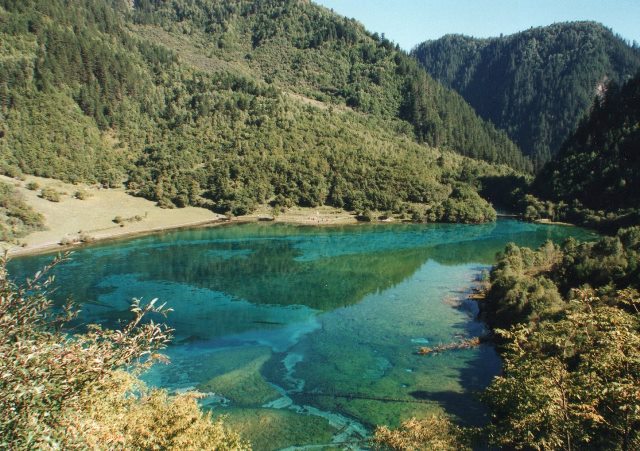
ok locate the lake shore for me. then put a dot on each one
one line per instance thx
(107, 214)
(545, 221)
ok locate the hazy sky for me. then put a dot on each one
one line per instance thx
(409, 22)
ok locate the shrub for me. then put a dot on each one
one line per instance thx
(86, 238)
(365, 216)
(50, 194)
(16, 217)
(32, 186)
(67, 241)
(10, 171)
(82, 194)
(120, 220)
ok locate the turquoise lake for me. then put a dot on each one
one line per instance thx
(303, 335)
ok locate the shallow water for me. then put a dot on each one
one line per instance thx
(306, 335)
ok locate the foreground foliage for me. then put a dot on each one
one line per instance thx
(569, 320)
(66, 390)
(434, 433)
(573, 382)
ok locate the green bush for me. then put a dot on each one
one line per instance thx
(50, 194)
(82, 194)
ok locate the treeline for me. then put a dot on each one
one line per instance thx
(537, 84)
(529, 286)
(85, 99)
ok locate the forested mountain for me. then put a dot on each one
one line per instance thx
(537, 84)
(308, 50)
(230, 104)
(599, 165)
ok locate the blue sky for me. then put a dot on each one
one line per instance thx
(409, 22)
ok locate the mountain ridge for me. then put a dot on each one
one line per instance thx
(535, 84)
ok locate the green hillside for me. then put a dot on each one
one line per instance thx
(308, 50)
(228, 105)
(537, 84)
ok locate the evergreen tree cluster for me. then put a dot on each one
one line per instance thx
(537, 84)
(593, 179)
(599, 165)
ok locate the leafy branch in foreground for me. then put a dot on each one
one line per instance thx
(77, 391)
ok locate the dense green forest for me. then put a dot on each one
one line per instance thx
(308, 50)
(537, 84)
(229, 105)
(593, 180)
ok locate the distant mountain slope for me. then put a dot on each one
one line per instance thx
(536, 85)
(306, 49)
(284, 103)
(599, 165)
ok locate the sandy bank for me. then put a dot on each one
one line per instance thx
(545, 221)
(92, 219)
